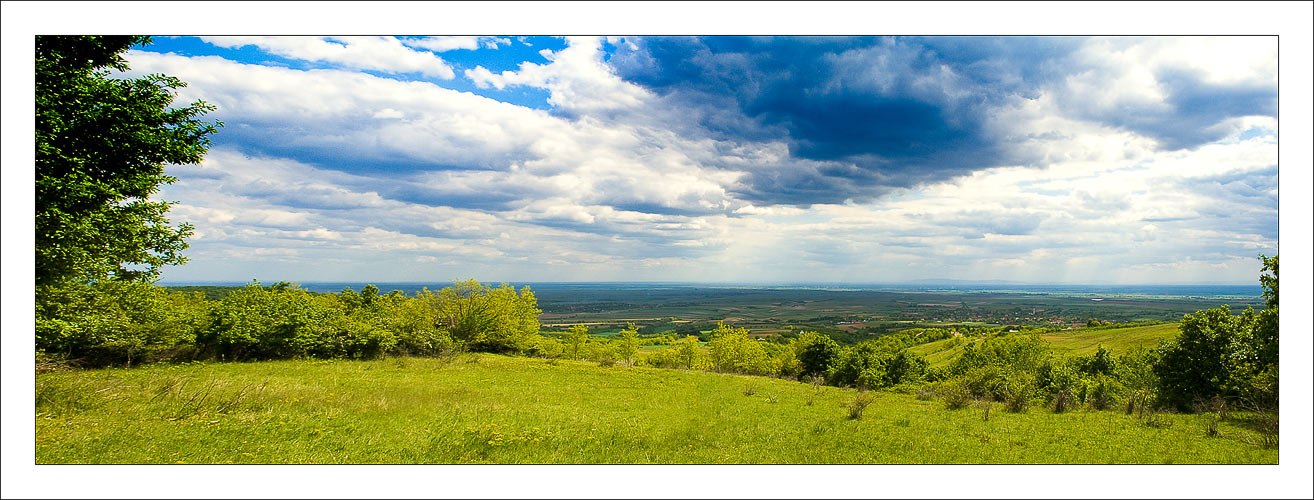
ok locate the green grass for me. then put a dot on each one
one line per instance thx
(941, 352)
(496, 409)
(1081, 341)
(1075, 342)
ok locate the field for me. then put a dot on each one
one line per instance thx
(1074, 342)
(848, 315)
(494, 409)
(1083, 341)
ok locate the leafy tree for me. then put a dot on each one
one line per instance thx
(101, 147)
(1218, 354)
(815, 352)
(1194, 366)
(489, 319)
(687, 353)
(629, 342)
(578, 335)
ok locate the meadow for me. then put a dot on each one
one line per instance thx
(484, 408)
(1074, 342)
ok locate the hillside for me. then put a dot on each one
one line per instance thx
(1086, 341)
(1073, 342)
(496, 409)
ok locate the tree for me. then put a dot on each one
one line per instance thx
(629, 345)
(488, 319)
(101, 147)
(815, 352)
(579, 334)
(1220, 354)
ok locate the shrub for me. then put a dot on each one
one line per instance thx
(876, 364)
(117, 322)
(859, 404)
(988, 382)
(955, 394)
(1103, 392)
(731, 350)
(815, 353)
(1019, 391)
(925, 393)
(487, 319)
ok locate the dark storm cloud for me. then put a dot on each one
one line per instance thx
(1194, 109)
(871, 113)
(865, 115)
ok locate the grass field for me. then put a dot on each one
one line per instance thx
(1075, 342)
(495, 409)
(1081, 341)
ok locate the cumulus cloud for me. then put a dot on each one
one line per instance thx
(846, 159)
(378, 53)
(448, 43)
(578, 80)
(881, 113)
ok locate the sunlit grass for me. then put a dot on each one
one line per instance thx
(1118, 340)
(495, 409)
(1075, 342)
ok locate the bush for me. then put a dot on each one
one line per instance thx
(955, 395)
(986, 382)
(859, 403)
(1103, 392)
(815, 353)
(1021, 387)
(876, 364)
(731, 350)
(488, 319)
(117, 323)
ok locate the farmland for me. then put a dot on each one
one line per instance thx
(1074, 342)
(848, 314)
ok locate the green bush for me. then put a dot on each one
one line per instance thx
(117, 323)
(815, 353)
(1102, 392)
(877, 364)
(488, 319)
(955, 394)
(732, 350)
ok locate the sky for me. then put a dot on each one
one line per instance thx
(727, 158)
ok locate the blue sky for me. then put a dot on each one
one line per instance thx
(727, 158)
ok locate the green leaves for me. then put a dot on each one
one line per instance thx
(101, 147)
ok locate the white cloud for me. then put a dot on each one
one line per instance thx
(576, 76)
(448, 43)
(472, 186)
(361, 52)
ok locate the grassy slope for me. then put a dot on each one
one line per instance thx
(494, 409)
(1074, 342)
(1081, 341)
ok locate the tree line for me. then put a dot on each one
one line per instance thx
(1217, 355)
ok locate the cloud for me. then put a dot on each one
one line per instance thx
(576, 76)
(448, 43)
(743, 159)
(378, 53)
(863, 116)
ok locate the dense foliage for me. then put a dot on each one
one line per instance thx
(1216, 357)
(113, 322)
(101, 147)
